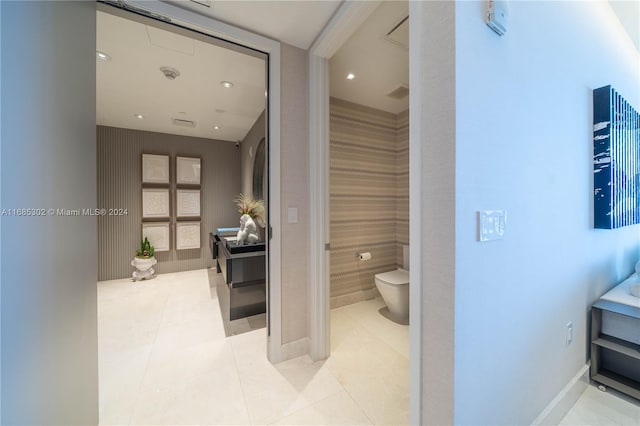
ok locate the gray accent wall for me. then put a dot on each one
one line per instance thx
(119, 186)
(369, 195)
(48, 161)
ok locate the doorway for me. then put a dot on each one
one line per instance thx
(203, 136)
(241, 39)
(363, 177)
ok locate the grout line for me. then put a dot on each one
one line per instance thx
(244, 396)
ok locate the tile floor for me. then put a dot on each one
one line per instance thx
(164, 359)
(597, 408)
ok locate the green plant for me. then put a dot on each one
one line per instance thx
(146, 250)
(248, 205)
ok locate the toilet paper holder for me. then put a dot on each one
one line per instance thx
(363, 256)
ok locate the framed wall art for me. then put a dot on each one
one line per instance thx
(187, 235)
(188, 203)
(616, 160)
(155, 204)
(188, 170)
(155, 169)
(158, 235)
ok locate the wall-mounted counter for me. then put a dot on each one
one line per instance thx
(243, 270)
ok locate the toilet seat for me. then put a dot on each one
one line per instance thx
(396, 278)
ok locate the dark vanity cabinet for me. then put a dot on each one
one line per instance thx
(243, 271)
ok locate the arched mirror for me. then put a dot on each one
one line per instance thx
(258, 171)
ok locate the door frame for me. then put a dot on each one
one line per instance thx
(347, 19)
(210, 26)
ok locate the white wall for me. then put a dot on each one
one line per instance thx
(524, 144)
(432, 157)
(294, 193)
(48, 153)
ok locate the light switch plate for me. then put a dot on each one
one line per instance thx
(492, 225)
(293, 215)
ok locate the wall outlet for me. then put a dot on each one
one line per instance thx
(569, 338)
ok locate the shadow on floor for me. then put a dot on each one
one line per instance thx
(220, 291)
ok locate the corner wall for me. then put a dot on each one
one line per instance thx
(294, 152)
(524, 144)
(369, 192)
(119, 187)
(49, 294)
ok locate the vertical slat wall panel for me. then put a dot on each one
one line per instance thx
(369, 191)
(119, 186)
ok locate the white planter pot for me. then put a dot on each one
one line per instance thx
(143, 268)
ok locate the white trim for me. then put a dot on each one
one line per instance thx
(207, 25)
(415, 209)
(319, 265)
(564, 400)
(295, 349)
(346, 20)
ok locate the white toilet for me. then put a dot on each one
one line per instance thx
(394, 289)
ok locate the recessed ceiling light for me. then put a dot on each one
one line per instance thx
(350, 76)
(226, 84)
(216, 127)
(139, 116)
(102, 56)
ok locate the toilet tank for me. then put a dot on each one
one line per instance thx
(405, 257)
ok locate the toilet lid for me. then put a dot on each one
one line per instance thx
(397, 277)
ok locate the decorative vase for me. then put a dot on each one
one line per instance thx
(143, 267)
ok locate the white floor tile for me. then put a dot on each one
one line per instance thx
(338, 409)
(164, 359)
(595, 407)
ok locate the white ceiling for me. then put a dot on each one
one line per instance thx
(628, 12)
(379, 65)
(131, 82)
(297, 23)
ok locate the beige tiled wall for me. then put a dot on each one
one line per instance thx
(369, 194)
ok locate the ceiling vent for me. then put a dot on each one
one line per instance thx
(184, 123)
(400, 92)
(399, 33)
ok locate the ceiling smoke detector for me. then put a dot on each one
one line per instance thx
(170, 73)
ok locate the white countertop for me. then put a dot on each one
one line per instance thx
(621, 293)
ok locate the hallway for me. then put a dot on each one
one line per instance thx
(164, 359)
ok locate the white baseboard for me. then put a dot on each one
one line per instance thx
(564, 400)
(292, 350)
(350, 299)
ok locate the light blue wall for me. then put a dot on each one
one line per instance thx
(524, 144)
(48, 159)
